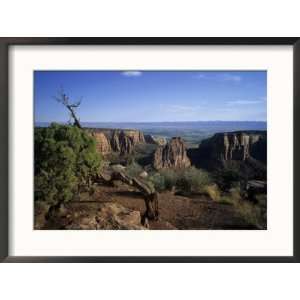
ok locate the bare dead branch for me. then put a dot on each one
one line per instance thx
(64, 99)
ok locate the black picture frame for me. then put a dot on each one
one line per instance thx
(5, 43)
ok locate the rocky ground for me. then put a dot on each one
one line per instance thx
(121, 207)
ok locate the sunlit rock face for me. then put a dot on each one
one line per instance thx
(124, 141)
(172, 155)
(115, 140)
(102, 143)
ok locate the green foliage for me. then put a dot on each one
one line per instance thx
(193, 180)
(226, 176)
(158, 182)
(170, 177)
(134, 169)
(190, 180)
(212, 191)
(65, 159)
(253, 214)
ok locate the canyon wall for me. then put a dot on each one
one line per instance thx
(235, 146)
(172, 155)
(116, 140)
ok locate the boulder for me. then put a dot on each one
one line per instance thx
(143, 174)
(118, 167)
(89, 216)
(256, 186)
(172, 155)
(160, 141)
(109, 216)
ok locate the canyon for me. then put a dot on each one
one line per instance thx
(122, 200)
(174, 153)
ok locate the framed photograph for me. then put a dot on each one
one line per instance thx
(149, 149)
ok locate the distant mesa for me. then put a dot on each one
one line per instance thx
(235, 146)
(226, 147)
(172, 155)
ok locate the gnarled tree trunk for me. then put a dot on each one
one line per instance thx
(149, 193)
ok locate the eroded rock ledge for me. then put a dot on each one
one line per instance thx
(122, 141)
(172, 155)
(235, 146)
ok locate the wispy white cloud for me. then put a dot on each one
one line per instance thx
(263, 98)
(230, 77)
(219, 77)
(242, 102)
(183, 110)
(132, 73)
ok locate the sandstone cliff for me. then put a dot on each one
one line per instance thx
(172, 155)
(243, 152)
(117, 140)
(102, 143)
(235, 146)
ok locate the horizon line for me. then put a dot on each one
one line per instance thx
(246, 121)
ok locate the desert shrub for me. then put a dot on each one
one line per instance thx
(65, 159)
(212, 191)
(134, 169)
(158, 182)
(232, 197)
(252, 213)
(170, 177)
(226, 177)
(190, 180)
(193, 180)
(225, 200)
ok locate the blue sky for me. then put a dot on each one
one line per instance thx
(153, 96)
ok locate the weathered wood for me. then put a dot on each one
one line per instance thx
(143, 187)
(149, 193)
(65, 100)
(151, 202)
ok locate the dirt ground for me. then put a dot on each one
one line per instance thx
(175, 212)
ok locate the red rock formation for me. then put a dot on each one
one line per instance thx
(127, 143)
(102, 143)
(117, 140)
(172, 155)
(115, 143)
(136, 136)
